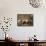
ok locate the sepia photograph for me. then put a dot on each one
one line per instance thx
(24, 19)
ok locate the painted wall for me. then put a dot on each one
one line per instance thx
(11, 8)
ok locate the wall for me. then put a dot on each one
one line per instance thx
(11, 8)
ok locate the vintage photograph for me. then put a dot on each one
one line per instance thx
(24, 19)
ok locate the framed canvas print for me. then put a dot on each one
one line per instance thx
(24, 19)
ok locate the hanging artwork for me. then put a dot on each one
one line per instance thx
(6, 23)
(36, 3)
(25, 19)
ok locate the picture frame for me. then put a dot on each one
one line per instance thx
(24, 19)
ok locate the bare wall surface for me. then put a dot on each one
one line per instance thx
(11, 8)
